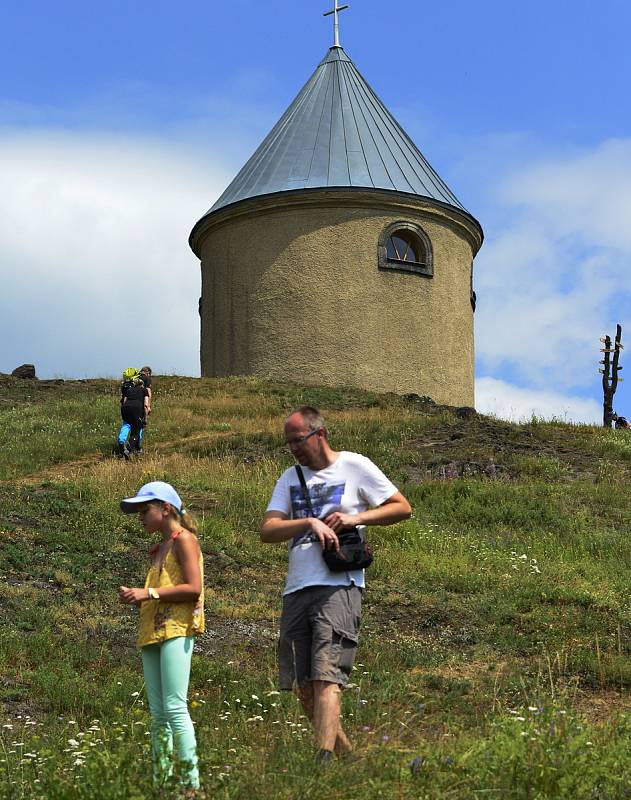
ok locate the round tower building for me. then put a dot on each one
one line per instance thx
(338, 256)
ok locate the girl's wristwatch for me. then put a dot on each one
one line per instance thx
(153, 594)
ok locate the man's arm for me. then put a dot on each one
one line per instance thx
(277, 527)
(394, 509)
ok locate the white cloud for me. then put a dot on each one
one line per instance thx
(501, 399)
(553, 275)
(94, 255)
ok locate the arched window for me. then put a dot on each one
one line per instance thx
(405, 247)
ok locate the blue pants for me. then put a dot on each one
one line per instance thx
(124, 432)
(167, 668)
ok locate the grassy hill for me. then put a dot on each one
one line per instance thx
(495, 648)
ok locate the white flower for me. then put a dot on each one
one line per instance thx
(73, 743)
(254, 697)
(135, 694)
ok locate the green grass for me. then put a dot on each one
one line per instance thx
(496, 642)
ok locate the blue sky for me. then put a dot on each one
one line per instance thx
(120, 123)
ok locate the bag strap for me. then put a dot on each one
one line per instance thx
(305, 491)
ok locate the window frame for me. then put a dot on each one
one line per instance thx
(397, 265)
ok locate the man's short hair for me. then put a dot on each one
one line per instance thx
(312, 417)
(146, 370)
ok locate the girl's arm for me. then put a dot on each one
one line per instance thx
(186, 549)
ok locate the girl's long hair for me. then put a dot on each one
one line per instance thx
(185, 519)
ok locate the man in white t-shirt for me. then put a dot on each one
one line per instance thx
(322, 609)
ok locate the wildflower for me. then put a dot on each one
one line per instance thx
(135, 694)
(275, 693)
(73, 743)
(254, 697)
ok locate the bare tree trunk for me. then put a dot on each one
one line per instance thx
(610, 374)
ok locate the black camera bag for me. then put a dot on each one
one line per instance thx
(354, 552)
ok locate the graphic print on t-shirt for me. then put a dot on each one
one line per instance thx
(325, 498)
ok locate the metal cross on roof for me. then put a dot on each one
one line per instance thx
(336, 24)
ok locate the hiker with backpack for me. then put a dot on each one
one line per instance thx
(134, 408)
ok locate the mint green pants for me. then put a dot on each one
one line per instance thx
(167, 668)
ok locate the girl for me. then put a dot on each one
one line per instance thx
(171, 615)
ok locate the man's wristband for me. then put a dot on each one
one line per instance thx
(153, 594)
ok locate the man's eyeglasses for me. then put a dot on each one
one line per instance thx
(301, 439)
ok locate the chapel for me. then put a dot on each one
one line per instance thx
(338, 255)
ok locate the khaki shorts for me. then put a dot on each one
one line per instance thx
(319, 630)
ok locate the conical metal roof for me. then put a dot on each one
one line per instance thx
(337, 133)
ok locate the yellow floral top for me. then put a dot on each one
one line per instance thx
(161, 620)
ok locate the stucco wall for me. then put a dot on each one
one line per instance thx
(293, 291)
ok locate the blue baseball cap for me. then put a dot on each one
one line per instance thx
(156, 490)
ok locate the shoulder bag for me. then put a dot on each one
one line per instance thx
(354, 552)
